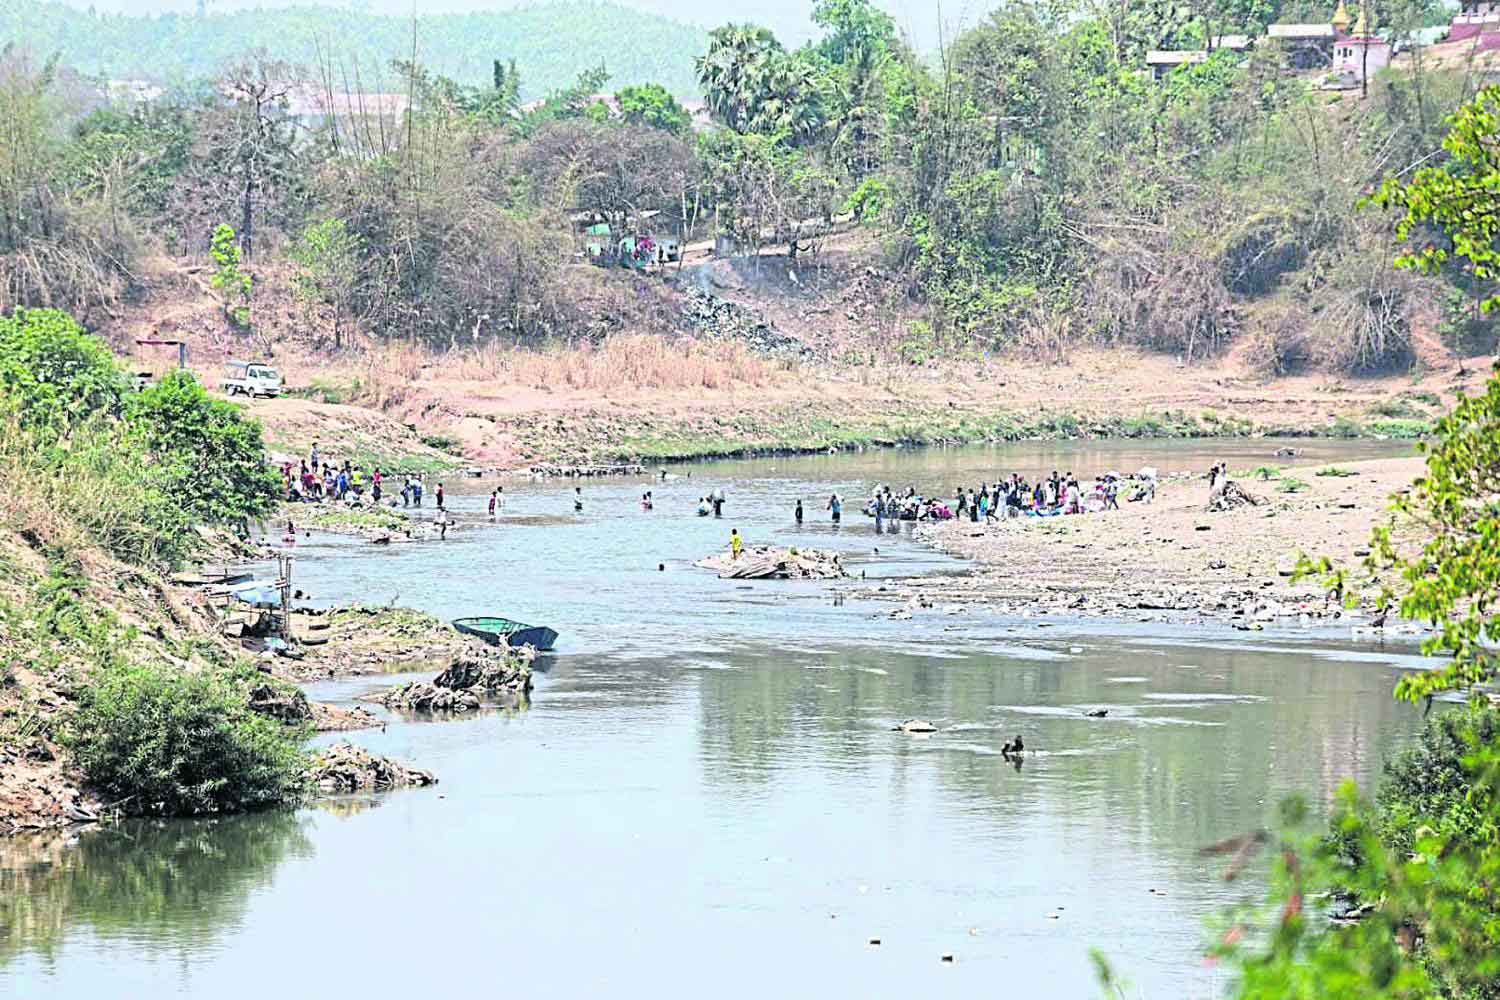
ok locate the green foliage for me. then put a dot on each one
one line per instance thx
(161, 741)
(1454, 583)
(1291, 484)
(1401, 430)
(753, 85)
(869, 200)
(1428, 784)
(1335, 471)
(54, 372)
(99, 486)
(132, 473)
(651, 105)
(1399, 409)
(1422, 867)
(574, 101)
(443, 442)
(329, 259)
(1267, 472)
(214, 452)
(232, 284)
(1457, 197)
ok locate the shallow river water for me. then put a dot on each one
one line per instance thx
(705, 794)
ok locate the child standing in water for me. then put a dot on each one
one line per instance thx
(798, 513)
(577, 499)
(736, 544)
(494, 499)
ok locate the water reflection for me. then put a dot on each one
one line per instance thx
(179, 886)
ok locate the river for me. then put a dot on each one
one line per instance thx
(706, 793)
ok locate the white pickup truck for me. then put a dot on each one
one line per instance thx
(251, 378)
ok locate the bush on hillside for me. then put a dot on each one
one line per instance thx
(1160, 295)
(55, 372)
(162, 742)
(215, 453)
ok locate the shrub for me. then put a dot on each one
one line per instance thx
(1428, 783)
(1291, 484)
(1335, 471)
(1402, 429)
(54, 371)
(215, 454)
(443, 442)
(167, 743)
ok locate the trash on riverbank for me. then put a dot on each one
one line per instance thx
(766, 562)
(347, 768)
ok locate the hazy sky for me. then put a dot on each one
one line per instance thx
(788, 18)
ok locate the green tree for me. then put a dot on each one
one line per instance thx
(55, 373)
(215, 453)
(1454, 582)
(732, 70)
(1414, 880)
(232, 283)
(1460, 198)
(852, 28)
(329, 258)
(652, 105)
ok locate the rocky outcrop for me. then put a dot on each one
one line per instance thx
(283, 704)
(347, 768)
(467, 682)
(493, 676)
(765, 562)
(424, 696)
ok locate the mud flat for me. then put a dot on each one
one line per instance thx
(1174, 556)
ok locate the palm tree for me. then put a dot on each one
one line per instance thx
(732, 71)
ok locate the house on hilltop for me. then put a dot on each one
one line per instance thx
(1163, 61)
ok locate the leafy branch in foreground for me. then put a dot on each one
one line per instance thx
(1396, 901)
(1460, 196)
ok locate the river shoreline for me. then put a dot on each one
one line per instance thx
(40, 788)
(1173, 558)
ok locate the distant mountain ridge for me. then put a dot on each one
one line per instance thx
(551, 43)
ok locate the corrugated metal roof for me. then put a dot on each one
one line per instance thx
(1300, 31)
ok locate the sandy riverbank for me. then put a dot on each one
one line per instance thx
(1173, 557)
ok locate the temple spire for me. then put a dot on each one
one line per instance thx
(1341, 18)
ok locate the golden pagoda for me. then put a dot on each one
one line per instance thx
(1362, 26)
(1340, 20)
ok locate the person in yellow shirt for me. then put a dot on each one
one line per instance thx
(736, 544)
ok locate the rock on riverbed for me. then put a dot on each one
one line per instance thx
(466, 683)
(346, 768)
(766, 562)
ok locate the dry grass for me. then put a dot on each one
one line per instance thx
(620, 361)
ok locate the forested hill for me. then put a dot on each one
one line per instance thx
(551, 44)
